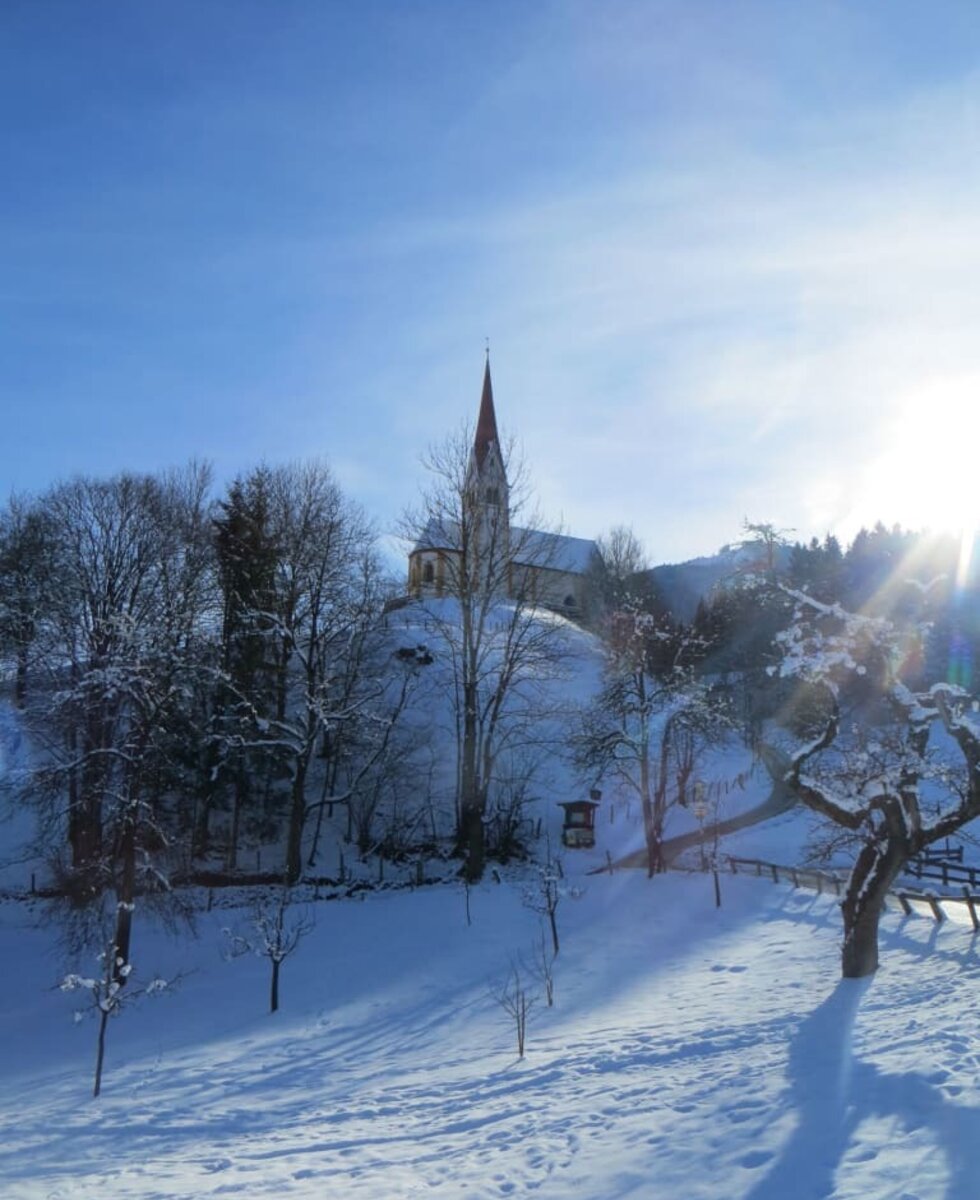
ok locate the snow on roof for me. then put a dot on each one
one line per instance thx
(557, 551)
(532, 547)
(438, 536)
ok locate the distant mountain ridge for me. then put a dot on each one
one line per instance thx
(877, 564)
(682, 585)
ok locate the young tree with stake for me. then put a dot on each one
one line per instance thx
(513, 997)
(107, 996)
(278, 935)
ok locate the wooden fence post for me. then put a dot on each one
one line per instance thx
(971, 905)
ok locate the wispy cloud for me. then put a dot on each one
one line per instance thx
(722, 251)
(692, 340)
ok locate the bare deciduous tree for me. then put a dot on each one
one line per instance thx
(303, 675)
(620, 576)
(512, 996)
(767, 538)
(542, 966)
(117, 655)
(26, 578)
(649, 729)
(107, 996)
(500, 648)
(278, 935)
(874, 762)
(544, 894)
(328, 591)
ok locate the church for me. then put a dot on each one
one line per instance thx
(544, 568)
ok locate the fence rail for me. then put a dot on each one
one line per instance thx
(809, 877)
(960, 910)
(948, 872)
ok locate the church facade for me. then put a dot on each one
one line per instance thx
(548, 569)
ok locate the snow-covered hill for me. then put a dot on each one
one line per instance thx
(692, 1053)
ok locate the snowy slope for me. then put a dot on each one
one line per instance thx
(692, 1053)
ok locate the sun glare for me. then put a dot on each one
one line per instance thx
(924, 477)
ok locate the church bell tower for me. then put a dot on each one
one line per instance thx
(487, 489)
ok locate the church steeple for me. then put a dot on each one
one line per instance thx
(486, 425)
(487, 475)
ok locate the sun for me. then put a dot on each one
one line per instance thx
(924, 476)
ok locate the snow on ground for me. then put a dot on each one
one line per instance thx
(693, 1053)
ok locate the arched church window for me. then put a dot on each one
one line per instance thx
(569, 601)
(428, 573)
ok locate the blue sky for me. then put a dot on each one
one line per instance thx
(726, 253)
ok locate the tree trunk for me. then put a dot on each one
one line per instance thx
(85, 819)
(471, 806)
(328, 775)
(655, 808)
(649, 826)
(238, 804)
(201, 826)
(297, 821)
(874, 872)
(100, 1054)
(85, 814)
(125, 903)
(472, 842)
(274, 993)
(20, 685)
(554, 930)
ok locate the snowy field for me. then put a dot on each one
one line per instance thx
(692, 1053)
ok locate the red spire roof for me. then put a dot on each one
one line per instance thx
(486, 425)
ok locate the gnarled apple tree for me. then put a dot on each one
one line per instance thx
(898, 768)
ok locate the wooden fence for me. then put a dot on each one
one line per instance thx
(808, 877)
(961, 910)
(948, 872)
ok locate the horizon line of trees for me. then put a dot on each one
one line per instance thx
(889, 572)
